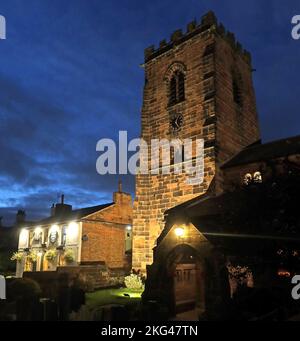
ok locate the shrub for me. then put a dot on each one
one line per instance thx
(32, 256)
(17, 256)
(25, 293)
(50, 255)
(23, 288)
(134, 282)
(69, 256)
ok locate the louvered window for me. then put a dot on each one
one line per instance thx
(177, 88)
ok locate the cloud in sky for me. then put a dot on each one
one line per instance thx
(70, 75)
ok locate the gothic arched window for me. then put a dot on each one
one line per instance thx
(237, 89)
(176, 90)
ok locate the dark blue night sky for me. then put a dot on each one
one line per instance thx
(70, 75)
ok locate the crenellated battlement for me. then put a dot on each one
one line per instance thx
(208, 22)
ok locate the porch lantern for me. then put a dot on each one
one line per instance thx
(180, 232)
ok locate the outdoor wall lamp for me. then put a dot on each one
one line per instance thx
(179, 232)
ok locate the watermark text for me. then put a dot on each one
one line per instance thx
(158, 156)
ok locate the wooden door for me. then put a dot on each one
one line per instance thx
(185, 285)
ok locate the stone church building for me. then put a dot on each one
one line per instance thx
(199, 85)
(203, 77)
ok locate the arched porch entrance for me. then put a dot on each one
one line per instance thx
(187, 269)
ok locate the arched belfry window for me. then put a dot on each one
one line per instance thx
(237, 92)
(175, 79)
(173, 90)
(181, 90)
(176, 92)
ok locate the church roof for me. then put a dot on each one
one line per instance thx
(237, 219)
(267, 151)
(208, 204)
(73, 215)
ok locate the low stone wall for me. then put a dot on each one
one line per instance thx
(88, 277)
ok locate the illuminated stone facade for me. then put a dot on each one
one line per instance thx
(92, 235)
(214, 99)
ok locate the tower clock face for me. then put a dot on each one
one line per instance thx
(176, 122)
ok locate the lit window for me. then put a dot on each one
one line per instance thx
(23, 239)
(37, 237)
(257, 177)
(247, 179)
(72, 233)
(53, 234)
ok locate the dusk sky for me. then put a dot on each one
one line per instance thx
(70, 75)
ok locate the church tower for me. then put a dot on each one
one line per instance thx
(199, 86)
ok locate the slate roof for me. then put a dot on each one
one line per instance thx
(220, 219)
(73, 215)
(260, 152)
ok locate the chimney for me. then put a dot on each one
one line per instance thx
(52, 210)
(61, 208)
(120, 186)
(20, 217)
(120, 197)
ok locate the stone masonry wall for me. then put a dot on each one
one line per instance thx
(237, 125)
(105, 232)
(199, 54)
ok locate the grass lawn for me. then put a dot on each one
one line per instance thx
(112, 296)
